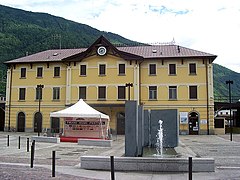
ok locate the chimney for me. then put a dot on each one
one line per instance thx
(178, 48)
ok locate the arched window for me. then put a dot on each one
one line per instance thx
(21, 122)
(38, 122)
(120, 123)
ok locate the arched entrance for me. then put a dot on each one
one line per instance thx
(2, 118)
(38, 122)
(193, 123)
(55, 125)
(21, 122)
(121, 123)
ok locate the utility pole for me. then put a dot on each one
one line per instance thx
(230, 107)
(129, 85)
(39, 88)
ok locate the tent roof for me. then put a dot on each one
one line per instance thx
(80, 109)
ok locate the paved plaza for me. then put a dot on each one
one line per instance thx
(15, 162)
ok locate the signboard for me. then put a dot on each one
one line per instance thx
(85, 127)
(183, 117)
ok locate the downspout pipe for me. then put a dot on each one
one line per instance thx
(207, 88)
(139, 86)
(10, 100)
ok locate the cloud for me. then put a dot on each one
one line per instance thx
(163, 10)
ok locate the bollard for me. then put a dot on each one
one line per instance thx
(32, 156)
(33, 145)
(53, 163)
(19, 141)
(112, 168)
(27, 144)
(190, 168)
(8, 140)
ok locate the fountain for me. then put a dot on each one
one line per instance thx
(159, 136)
(159, 151)
(143, 130)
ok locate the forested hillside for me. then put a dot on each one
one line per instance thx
(23, 32)
(221, 75)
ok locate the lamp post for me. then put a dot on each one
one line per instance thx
(230, 106)
(129, 85)
(39, 88)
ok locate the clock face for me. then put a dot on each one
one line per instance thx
(101, 50)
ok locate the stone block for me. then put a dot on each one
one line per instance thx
(46, 139)
(95, 142)
(147, 164)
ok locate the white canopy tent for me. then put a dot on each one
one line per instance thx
(81, 119)
(79, 110)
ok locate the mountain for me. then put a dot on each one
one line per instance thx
(23, 32)
(220, 76)
(27, 32)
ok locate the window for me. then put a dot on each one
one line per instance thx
(172, 92)
(172, 69)
(153, 92)
(38, 93)
(39, 72)
(101, 92)
(56, 93)
(192, 68)
(193, 92)
(23, 72)
(56, 71)
(22, 94)
(121, 69)
(82, 92)
(102, 69)
(121, 92)
(152, 69)
(83, 70)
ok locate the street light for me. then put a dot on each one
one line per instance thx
(129, 85)
(39, 88)
(230, 106)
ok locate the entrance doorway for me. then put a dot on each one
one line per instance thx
(193, 123)
(121, 123)
(2, 119)
(55, 125)
(38, 122)
(21, 122)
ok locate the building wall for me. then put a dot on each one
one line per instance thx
(137, 73)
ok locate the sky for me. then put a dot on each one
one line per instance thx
(212, 26)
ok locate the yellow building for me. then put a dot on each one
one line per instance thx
(162, 77)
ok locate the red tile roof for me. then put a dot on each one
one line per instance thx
(48, 56)
(147, 52)
(164, 51)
